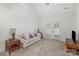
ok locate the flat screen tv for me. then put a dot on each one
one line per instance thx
(74, 36)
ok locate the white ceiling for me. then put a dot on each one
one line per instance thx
(53, 8)
(46, 8)
(9, 5)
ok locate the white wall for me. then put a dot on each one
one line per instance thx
(57, 13)
(77, 17)
(20, 16)
(66, 22)
(77, 21)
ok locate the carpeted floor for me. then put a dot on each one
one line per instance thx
(43, 47)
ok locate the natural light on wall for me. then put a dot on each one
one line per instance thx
(56, 29)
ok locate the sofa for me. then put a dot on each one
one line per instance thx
(26, 41)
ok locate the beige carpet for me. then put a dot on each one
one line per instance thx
(43, 47)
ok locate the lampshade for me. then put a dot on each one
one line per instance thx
(12, 30)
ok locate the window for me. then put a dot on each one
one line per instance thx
(56, 29)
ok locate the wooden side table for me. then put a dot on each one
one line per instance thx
(70, 45)
(12, 45)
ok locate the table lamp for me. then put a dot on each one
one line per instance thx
(12, 32)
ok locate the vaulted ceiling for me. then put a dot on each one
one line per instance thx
(54, 8)
(46, 8)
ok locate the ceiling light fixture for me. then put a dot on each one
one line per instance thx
(47, 3)
(66, 7)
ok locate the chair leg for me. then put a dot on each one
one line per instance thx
(76, 51)
(68, 50)
(73, 50)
